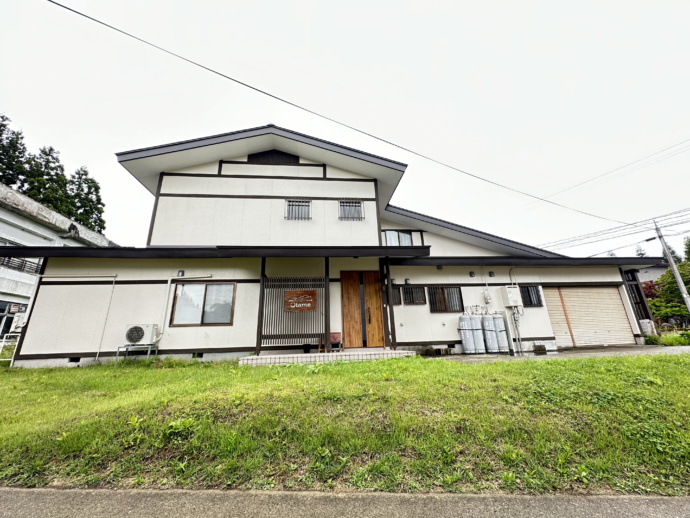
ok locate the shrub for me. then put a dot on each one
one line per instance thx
(652, 340)
(675, 339)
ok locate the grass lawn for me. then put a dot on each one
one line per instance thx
(404, 425)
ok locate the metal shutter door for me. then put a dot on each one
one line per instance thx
(596, 316)
(558, 321)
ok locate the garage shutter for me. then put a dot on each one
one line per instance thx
(596, 316)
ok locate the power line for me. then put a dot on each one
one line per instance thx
(300, 107)
(663, 218)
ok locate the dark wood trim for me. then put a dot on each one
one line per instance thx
(220, 167)
(378, 211)
(260, 197)
(433, 342)
(509, 260)
(110, 354)
(494, 284)
(30, 310)
(386, 305)
(327, 302)
(298, 164)
(145, 282)
(536, 339)
(260, 320)
(421, 234)
(155, 209)
(325, 176)
(214, 251)
(272, 177)
(391, 306)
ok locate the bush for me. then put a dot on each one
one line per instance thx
(675, 339)
(652, 340)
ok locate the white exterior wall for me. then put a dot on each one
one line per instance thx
(16, 286)
(250, 220)
(417, 323)
(81, 318)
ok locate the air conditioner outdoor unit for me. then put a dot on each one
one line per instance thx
(141, 334)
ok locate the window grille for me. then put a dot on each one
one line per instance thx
(351, 211)
(444, 299)
(531, 297)
(298, 209)
(414, 295)
(398, 237)
(396, 298)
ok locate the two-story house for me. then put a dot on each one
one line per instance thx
(264, 240)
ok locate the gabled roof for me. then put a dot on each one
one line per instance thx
(145, 164)
(466, 234)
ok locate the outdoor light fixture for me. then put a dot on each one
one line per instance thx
(180, 273)
(492, 274)
(471, 274)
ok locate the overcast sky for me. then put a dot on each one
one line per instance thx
(537, 96)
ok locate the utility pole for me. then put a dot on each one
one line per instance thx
(672, 264)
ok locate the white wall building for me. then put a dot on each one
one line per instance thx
(264, 240)
(26, 223)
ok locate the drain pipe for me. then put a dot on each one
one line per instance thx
(167, 299)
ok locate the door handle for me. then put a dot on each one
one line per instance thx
(369, 315)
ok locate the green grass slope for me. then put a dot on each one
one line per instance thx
(407, 425)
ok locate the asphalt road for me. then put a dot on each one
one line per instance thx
(52, 503)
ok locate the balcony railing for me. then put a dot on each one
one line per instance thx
(23, 265)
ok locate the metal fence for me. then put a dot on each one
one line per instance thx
(23, 265)
(281, 327)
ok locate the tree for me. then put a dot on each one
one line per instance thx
(676, 258)
(640, 252)
(649, 289)
(46, 181)
(12, 155)
(669, 302)
(86, 197)
(686, 248)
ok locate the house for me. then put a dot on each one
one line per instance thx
(265, 241)
(26, 223)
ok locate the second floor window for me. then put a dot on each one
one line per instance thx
(350, 210)
(298, 209)
(398, 237)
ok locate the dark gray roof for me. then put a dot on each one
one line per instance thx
(269, 129)
(516, 247)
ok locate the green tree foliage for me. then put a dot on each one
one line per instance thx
(676, 258)
(42, 177)
(640, 252)
(686, 249)
(46, 182)
(86, 197)
(12, 155)
(669, 302)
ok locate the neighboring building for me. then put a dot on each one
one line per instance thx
(265, 239)
(651, 273)
(26, 223)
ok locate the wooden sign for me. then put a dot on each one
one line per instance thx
(299, 300)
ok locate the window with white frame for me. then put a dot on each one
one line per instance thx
(350, 210)
(202, 304)
(298, 209)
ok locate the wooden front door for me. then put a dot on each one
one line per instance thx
(362, 309)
